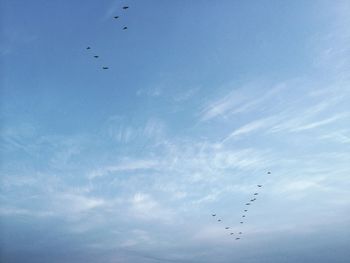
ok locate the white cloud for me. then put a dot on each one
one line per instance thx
(306, 119)
(126, 165)
(68, 202)
(242, 100)
(223, 105)
(320, 123)
(118, 130)
(186, 95)
(143, 206)
(14, 211)
(251, 127)
(341, 136)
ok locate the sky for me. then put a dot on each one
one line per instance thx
(201, 100)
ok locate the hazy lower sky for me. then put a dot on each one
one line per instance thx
(201, 99)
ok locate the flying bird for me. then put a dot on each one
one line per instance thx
(259, 185)
(247, 204)
(268, 172)
(241, 222)
(252, 200)
(88, 48)
(125, 28)
(213, 214)
(240, 233)
(227, 227)
(243, 215)
(255, 193)
(219, 220)
(125, 7)
(246, 210)
(105, 67)
(237, 238)
(116, 17)
(231, 234)
(95, 56)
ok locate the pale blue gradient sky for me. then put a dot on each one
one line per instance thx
(202, 98)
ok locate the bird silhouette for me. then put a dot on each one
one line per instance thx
(116, 17)
(259, 185)
(125, 28)
(213, 215)
(88, 48)
(227, 227)
(95, 56)
(105, 67)
(125, 7)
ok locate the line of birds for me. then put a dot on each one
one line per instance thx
(124, 28)
(253, 199)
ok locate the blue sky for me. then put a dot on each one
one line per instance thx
(201, 99)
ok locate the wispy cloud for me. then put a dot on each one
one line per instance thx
(143, 206)
(126, 165)
(76, 203)
(13, 211)
(252, 127)
(305, 122)
(240, 100)
(320, 122)
(222, 106)
(118, 129)
(137, 237)
(342, 136)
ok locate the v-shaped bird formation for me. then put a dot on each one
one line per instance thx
(237, 235)
(123, 28)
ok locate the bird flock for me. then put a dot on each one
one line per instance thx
(219, 220)
(123, 28)
(237, 235)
